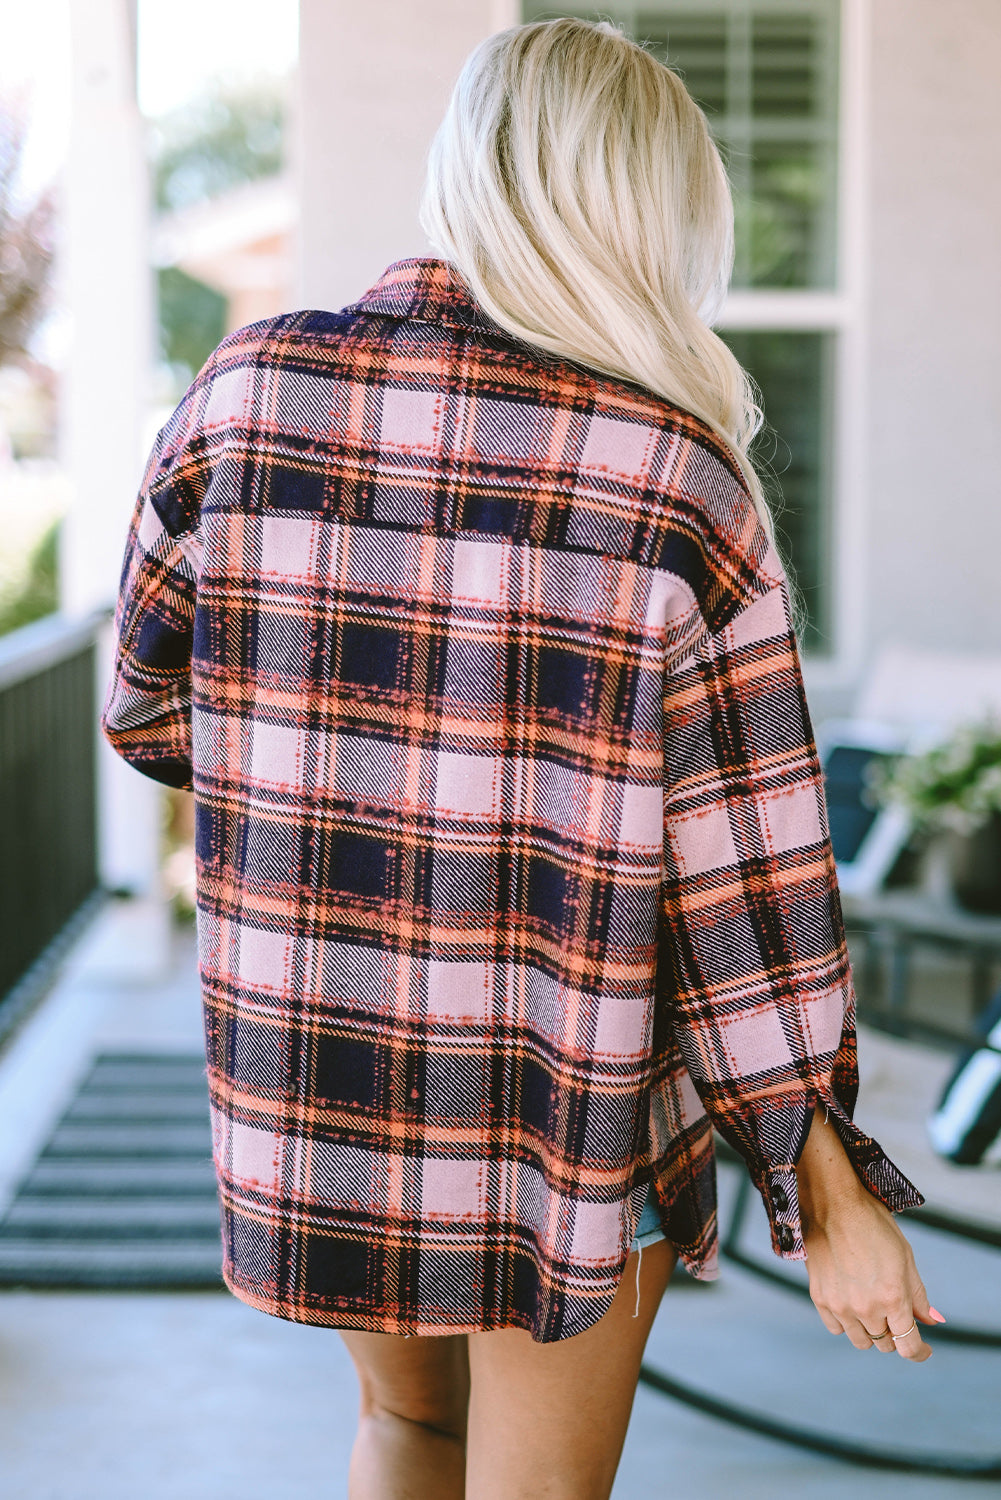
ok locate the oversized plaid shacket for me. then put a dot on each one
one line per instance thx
(513, 866)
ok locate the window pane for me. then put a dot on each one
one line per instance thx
(766, 75)
(779, 220)
(786, 67)
(698, 47)
(794, 372)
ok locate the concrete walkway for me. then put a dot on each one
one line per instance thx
(116, 1396)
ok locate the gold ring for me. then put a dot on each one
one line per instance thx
(895, 1336)
(876, 1336)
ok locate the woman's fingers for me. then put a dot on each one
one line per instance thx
(908, 1342)
(873, 1330)
(907, 1338)
(877, 1332)
(864, 1283)
(830, 1322)
(912, 1346)
(857, 1333)
(921, 1305)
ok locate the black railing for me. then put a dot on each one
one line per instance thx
(48, 796)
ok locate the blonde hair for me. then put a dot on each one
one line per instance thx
(575, 187)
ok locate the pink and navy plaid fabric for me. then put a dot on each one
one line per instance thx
(514, 874)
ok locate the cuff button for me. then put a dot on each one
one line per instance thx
(786, 1237)
(779, 1197)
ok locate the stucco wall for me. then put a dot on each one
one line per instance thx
(374, 82)
(935, 324)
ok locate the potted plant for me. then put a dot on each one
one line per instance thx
(952, 793)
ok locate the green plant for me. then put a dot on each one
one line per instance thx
(192, 319)
(954, 785)
(37, 593)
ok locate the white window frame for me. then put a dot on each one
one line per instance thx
(841, 313)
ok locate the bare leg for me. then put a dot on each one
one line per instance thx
(411, 1442)
(548, 1421)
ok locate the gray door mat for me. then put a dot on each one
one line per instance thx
(123, 1196)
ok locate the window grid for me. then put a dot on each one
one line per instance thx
(767, 74)
(767, 78)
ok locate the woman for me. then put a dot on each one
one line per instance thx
(460, 613)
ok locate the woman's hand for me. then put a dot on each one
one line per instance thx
(863, 1280)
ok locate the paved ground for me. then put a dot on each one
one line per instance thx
(115, 1396)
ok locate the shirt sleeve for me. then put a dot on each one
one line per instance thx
(754, 966)
(146, 715)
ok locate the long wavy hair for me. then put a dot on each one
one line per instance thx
(576, 189)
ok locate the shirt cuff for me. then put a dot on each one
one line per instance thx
(778, 1187)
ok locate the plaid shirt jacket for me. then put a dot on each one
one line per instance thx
(514, 875)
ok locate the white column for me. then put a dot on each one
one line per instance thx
(107, 283)
(374, 80)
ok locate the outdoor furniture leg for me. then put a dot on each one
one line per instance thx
(872, 967)
(982, 985)
(900, 977)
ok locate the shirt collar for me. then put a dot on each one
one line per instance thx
(428, 290)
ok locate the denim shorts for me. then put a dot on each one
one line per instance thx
(648, 1230)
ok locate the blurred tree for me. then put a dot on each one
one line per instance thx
(26, 223)
(25, 245)
(228, 136)
(192, 320)
(37, 593)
